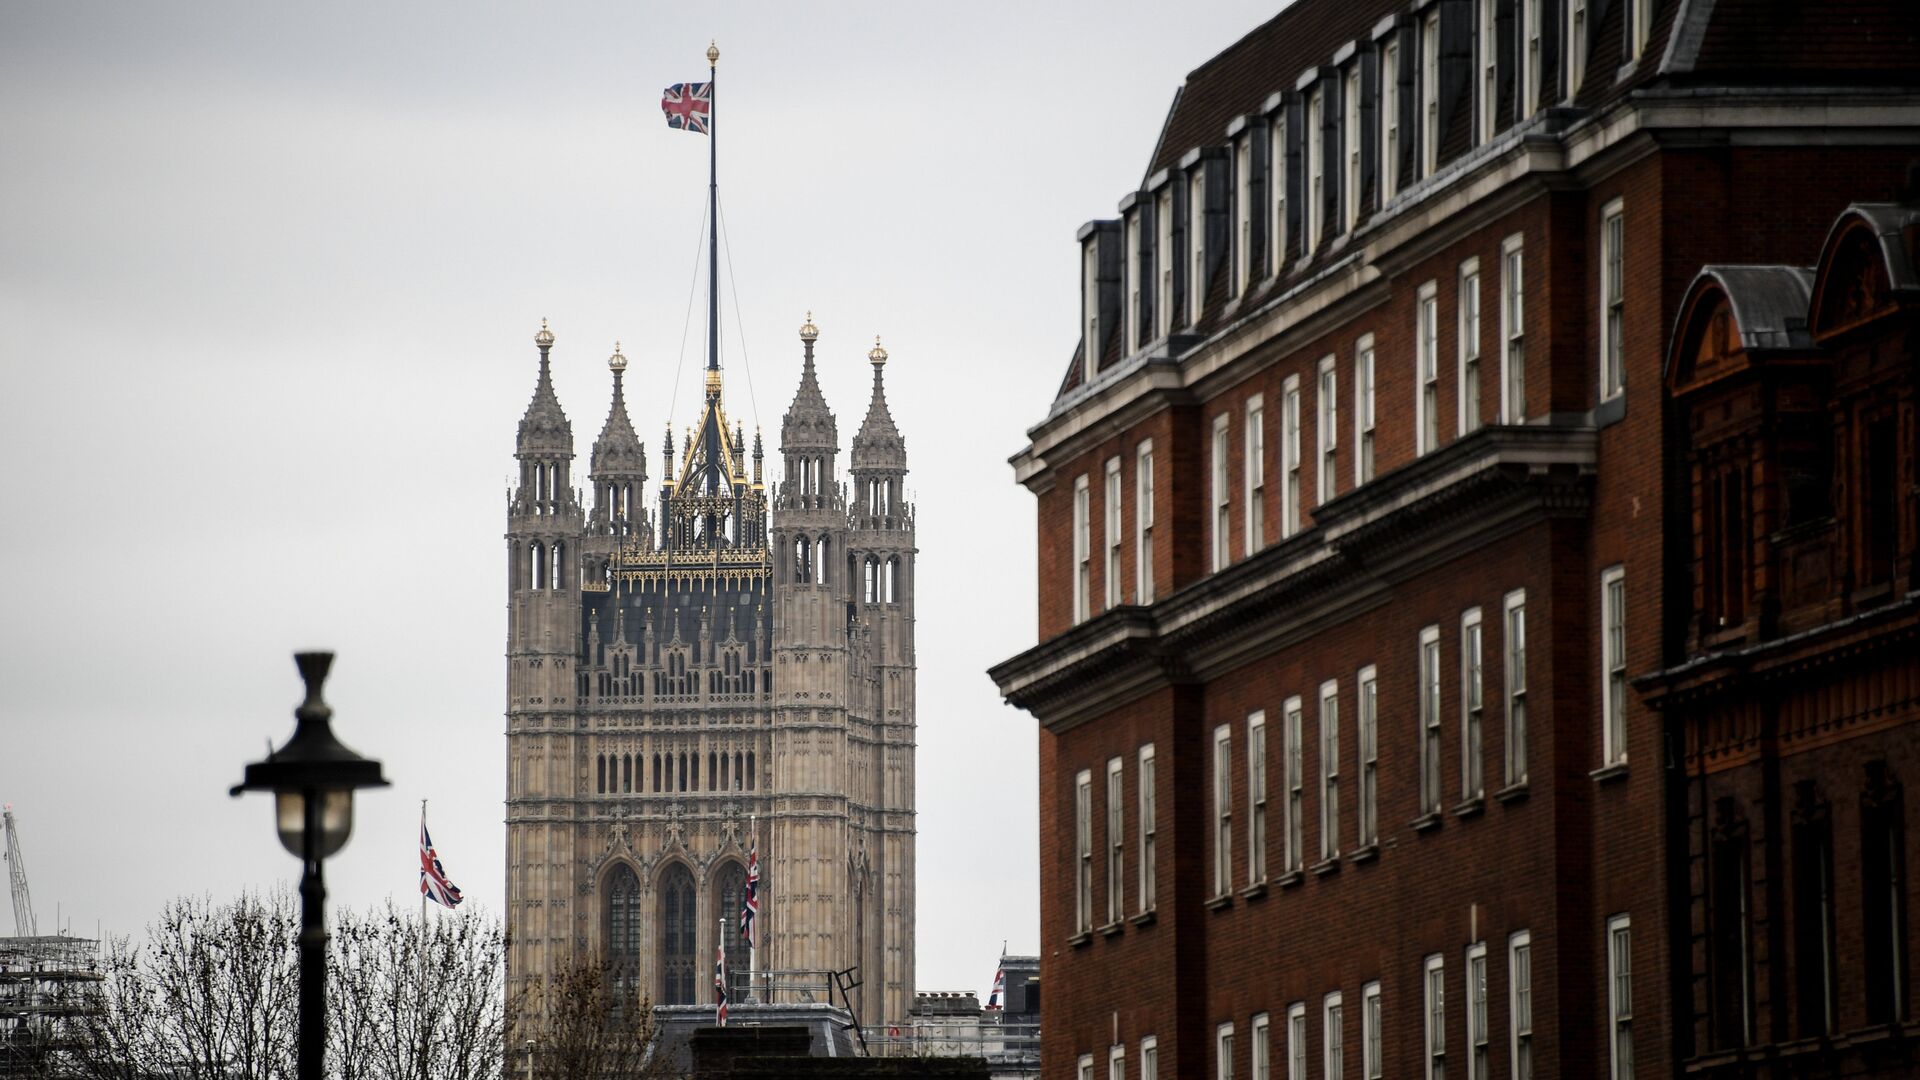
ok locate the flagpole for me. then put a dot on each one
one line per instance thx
(423, 943)
(720, 1004)
(753, 942)
(713, 214)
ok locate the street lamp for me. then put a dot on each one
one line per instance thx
(312, 779)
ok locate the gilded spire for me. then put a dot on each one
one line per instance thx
(809, 423)
(544, 429)
(878, 443)
(618, 453)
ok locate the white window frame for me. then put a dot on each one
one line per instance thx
(1532, 58)
(1468, 346)
(1290, 456)
(1620, 998)
(1223, 1051)
(1130, 285)
(1350, 147)
(1297, 1041)
(1260, 1051)
(1520, 1003)
(1426, 388)
(1613, 665)
(1429, 717)
(1641, 20)
(1364, 411)
(1163, 262)
(1256, 797)
(1578, 33)
(1196, 243)
(1222, 518)
(1086, 1067)
(1434, 998)
(1277, 185)
(1368, 732)
(1082, 558)
(1149, 828)
(1115, 533)
(1242, 214)
(1292, 721)
(1117, 1062)
(1150, 1058)
(1083, 851)
(1479, 1058)
(1253, 468)
(1372, 1041)
(1326, 432)
(1513, 322)
(1222, 810)
(1116, 841)
(1613, 285)
(1329, 770)
(1315, 145)
(1090, 306)
(1389, 121)
(1429, 95)
(1332, 1044)
(1513, 644)
(1487, 86)
(1473, 701)
(1143, 524)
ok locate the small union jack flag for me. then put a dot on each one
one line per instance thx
(750, 906)
(433, 878)
(999, 987)
(689, 106)
(720, 982)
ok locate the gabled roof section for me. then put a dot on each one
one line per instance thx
(1268, 58)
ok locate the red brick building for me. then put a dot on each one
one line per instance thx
(1478, 605)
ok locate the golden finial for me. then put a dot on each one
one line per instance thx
(879, 355)
(617, 362)
(713, 55)
(808, 331)
(544, 338)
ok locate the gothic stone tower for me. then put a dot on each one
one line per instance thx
(735, 661)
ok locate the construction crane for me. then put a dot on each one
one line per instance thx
(23, 924)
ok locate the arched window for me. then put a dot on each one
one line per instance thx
(893, 580)
(537, 566)
(656, 773)
(559, 563)
(683, 772)
(539, 488)
(739, 774)
(600, 785)
(626, 773)
(713, 771)
(802, 561)
(729, 897)
(872, 592)
(678, 963)
(622, 934)
(750, 772)
(696, 770)
(724, 774)
(820, 563)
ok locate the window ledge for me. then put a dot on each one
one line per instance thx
(1471, 807)
(1427, 821)
(1254, 891)
(1289, 879)
(1112, 929)
(1221, 902)
(1145, 918)
(1328, 865)
(1365, 853)
(1080, 939)
(1512, 793)
(1615, 771)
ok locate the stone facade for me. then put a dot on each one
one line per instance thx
(731, 665)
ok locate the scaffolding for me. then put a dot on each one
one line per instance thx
(48, 985)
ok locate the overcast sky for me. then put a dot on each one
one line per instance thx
(269, 276)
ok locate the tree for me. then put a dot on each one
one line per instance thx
(583, 1026)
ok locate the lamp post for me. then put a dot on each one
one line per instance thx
(312, 779)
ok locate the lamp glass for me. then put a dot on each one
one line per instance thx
(336, 820)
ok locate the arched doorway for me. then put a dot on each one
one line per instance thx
(678, 959)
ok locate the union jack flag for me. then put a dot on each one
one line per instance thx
(999, 987)
(720, 982)
(689, 106)
(433, 878)
(750, 906)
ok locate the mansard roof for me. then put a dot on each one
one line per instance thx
(544, 429)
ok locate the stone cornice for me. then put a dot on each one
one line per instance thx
(1744, 671)
(1404, 523)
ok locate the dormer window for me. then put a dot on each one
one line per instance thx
(1640, 20)
(1576, 45)
(1430, 95)
(1389, 121)
(1350, 145)
(1316, 171)
(1130, 273)
(1530, 58)
(1163, 263)
(1488, 86)
(1242, 215)
(1196, 243)
(1277, 184)
(1090, 305)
